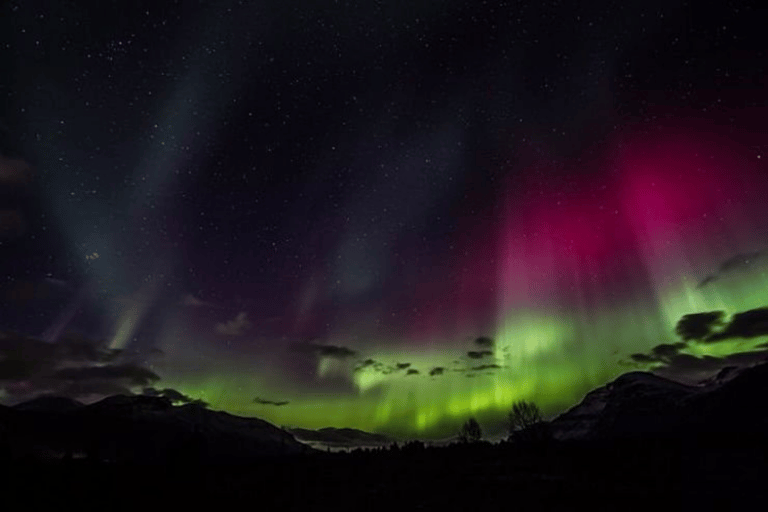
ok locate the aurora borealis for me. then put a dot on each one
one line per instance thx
(376, 217)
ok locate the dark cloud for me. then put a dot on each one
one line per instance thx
(644, 358)
(378, 366)
(86, 388)
(135, 375)
(74, 347)
(685, 362)
(326, 350)
(749, 324)
(17, 369)
(437, 370)
(691, 369)
(707, 280)
(22, 357)
(412, 371)
(666, 353)
(276, 403)
(666, 350)
(485, 367)
(102, 387)
(473, 354)
(484, 341)
(704, 327)
(698, 326)
(74, 367)
(737, 263)
(334, 351)
(175, 396)
(671, 361)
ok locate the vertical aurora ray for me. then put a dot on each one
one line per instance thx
(130, 313)
(580, 275)
(388, 198)
(54, 331)
(92, 227)
(691, 206)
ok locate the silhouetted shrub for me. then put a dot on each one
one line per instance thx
(523, 415)
(525, 423)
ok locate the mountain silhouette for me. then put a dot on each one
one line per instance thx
(139, 429)
(640, 404)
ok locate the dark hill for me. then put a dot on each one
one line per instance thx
(640, 404)
(139, 429)
(49, 404)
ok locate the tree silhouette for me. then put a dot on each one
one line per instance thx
(523, 417)
(470, 432)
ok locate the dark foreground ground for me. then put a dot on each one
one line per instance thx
(687, 474)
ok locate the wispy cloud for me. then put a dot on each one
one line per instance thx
(438, 370)
(484, 341)
(385, 369)
(479, 354)
(235, 327)
(276, 403)
(326, 350)
(738, 263)
(192, 301)
(174, 396)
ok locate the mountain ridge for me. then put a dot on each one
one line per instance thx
(124, 428)
(639, 404)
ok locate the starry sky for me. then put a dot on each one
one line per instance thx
(382, 215)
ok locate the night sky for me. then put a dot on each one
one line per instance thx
(378, 214)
